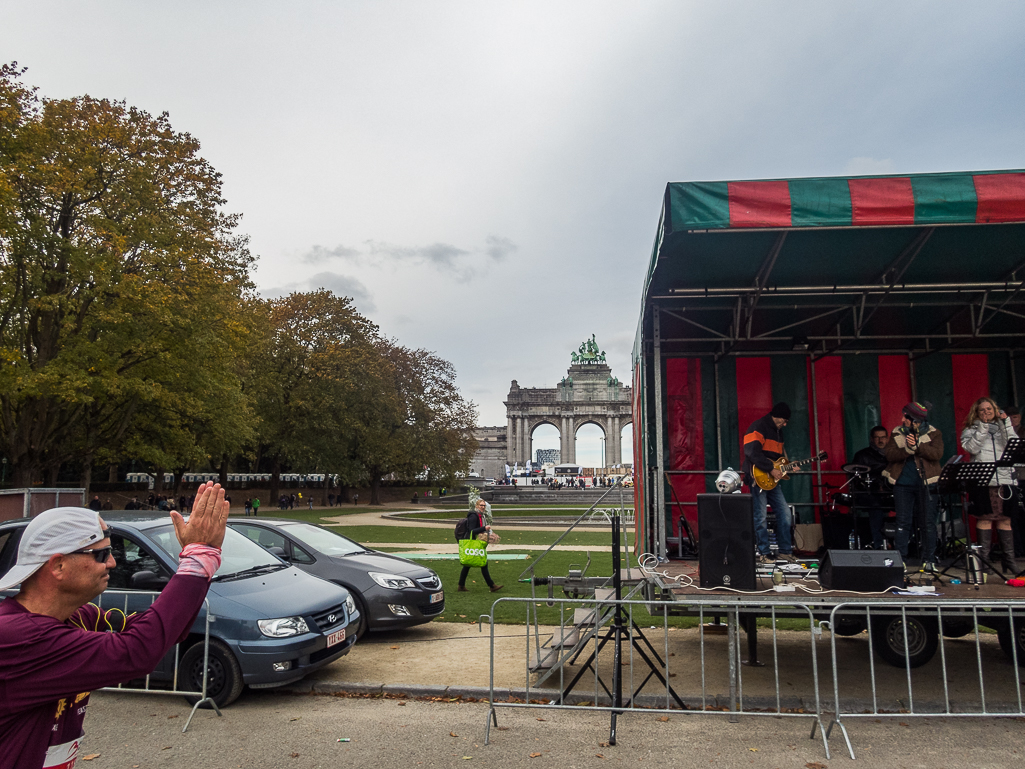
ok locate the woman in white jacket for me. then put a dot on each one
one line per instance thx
(985, 434)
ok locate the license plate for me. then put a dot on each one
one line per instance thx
(336, 637)
(437, 598)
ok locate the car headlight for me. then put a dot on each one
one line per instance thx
(350, 605)
(284, 627)
(393, 581)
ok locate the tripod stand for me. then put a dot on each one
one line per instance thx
(620, 630)
(963, 476)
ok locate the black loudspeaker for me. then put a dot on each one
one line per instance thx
(865, 571)
(726, 541)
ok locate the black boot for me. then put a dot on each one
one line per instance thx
(987, 537)
(1007, 561)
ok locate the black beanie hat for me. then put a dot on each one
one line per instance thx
(780, 410)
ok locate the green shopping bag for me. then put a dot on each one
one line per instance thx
(473, 552)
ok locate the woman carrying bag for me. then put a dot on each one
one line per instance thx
(473, 547)
(985, 434)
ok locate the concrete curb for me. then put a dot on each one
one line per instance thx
(655, 701)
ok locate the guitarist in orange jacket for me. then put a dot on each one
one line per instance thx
(763, 444)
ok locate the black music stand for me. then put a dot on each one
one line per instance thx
(1014, 454)
(959, 477)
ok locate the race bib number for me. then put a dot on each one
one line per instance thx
(62, 756)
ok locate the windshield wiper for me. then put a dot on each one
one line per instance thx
(267, 567)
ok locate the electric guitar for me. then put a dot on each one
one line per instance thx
(768, 483)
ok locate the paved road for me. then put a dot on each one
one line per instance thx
(267, 729)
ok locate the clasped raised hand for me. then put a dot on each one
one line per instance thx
(208, 520)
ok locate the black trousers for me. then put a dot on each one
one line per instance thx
(483, 570)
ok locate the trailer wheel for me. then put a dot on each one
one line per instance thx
(888, 640)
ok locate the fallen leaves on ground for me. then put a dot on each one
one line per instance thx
(294, 755)
(394, 647)
(401, 704)
(664, 718)
(296, 718)
(534, 755)
(91, 756)
(452, 734)
(815, 765)
(174, 716)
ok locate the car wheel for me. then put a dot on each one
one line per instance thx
(361, 607)
(224, 676)
(888, 640)
(957, 628)
(848, 626)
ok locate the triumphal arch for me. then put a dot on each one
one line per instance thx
(588, 394)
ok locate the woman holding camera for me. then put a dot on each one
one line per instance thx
(985, 434)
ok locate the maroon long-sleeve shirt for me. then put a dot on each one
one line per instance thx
(49, 667)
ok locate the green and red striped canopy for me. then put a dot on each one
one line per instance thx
(876, 201)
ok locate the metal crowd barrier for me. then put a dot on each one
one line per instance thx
(604, 653)
(964, 675)
(131, 601)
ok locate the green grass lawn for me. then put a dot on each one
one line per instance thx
(316, 515)
(504, 512)
(418, 535)
(464, 607)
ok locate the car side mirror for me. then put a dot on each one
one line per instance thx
(148, 580)
(278, 551)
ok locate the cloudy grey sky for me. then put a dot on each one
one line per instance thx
(484, 179)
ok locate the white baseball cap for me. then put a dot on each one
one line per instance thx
(59, 531)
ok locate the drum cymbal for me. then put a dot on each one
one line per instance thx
(856, 469)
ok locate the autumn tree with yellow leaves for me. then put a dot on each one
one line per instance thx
(122, 284)
(129, 328)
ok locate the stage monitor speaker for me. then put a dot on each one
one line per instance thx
(864, 571)
(726, 541)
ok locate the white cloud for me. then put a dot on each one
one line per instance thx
(341, 285)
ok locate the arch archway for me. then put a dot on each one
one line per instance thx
(626, 443)
(544, 436)
(590, 440)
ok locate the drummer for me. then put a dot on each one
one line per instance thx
(874, 461)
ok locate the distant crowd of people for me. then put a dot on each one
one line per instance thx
(152, 502)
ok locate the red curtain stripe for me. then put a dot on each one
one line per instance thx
(754, 394)
(829, 392)
(894, 388)
(686, 434)
(759, 204)
(881, 201)
(1001, 197)
(971, 382)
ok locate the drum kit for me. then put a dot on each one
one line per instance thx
(864, 490)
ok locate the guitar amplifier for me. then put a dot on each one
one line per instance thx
(726, 541)
(864, 571)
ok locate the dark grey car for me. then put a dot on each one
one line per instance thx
(390, 592)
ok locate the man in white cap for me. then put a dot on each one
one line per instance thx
(49, 661)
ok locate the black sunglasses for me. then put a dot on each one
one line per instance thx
(101, 554)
